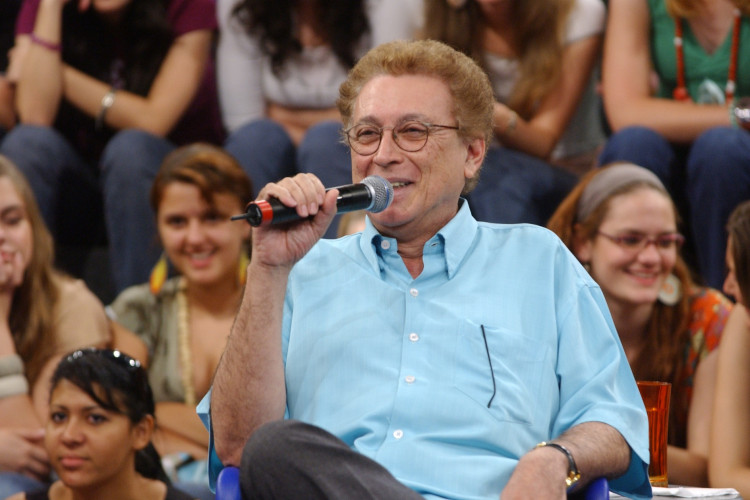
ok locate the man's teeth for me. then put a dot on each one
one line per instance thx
(398, 184)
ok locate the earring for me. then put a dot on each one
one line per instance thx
(671, 291)
(242, 269)
(456, 4)
(158, 274)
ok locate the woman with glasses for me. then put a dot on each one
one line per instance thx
(621, 224)
(99, 430)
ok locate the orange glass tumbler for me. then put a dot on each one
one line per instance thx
(656, 400)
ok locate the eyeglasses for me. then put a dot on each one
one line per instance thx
(410, 136)
(636, 242)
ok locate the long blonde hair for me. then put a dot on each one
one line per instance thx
(32, 315)
(540, 29)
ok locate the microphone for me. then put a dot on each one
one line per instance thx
(373, 194)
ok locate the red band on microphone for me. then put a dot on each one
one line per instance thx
(266, 210)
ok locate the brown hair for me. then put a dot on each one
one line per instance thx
(468, 84)
(540, 29)
(211, 169)
(31, 318)
(738, 229)
(661, 357)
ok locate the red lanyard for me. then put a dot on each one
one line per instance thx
(680, 92)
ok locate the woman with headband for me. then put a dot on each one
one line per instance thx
(621, 224)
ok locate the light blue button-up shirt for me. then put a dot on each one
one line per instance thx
(503, 341)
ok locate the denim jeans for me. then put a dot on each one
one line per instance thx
(267, 154)
(72, 193)
(12, 483)
(706, 179)
(516, 187)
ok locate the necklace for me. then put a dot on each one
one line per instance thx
(183, 342)
(680, 92)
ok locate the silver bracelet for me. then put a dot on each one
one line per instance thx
(12, 364)
(107, 101)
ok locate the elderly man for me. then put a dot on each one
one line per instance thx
(430, 355)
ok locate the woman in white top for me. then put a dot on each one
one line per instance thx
(280, 65)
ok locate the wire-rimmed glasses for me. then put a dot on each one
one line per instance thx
(410, 136)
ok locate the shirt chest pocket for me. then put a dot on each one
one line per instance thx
(500, 370)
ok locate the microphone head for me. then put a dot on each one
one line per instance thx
(382, 193)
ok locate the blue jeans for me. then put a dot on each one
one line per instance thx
(706, 179)
(515, 187)
(12, 483)
(72, 193)
(129, 165)
(267, 154)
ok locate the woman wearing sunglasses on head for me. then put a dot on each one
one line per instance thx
(99, 431)
(621, 224)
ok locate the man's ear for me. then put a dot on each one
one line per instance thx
(475, 151)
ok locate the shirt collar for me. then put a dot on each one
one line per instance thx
(457, 237)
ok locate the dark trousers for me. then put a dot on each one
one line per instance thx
(288, 459)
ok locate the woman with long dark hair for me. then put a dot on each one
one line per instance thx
(98, 435)
(280, 65)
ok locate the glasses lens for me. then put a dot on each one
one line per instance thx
(669, 241)
(411, 136)
(364, 139)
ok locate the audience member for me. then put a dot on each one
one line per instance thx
(101, 421)
(105, 91)
(43, 315)
(8, 12)
(279, 68)
(492, 337)
(185, 321)
(667, 325)
(539, 56)
(729, 462)
(671, 79)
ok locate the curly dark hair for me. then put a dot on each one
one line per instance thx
(344, 22)
(141, 41)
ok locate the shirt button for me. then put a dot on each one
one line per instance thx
(413, 337)
(414, 292)
(398, 434)
(410, 379)
(385, 244)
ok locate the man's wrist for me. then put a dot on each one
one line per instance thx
(573, 475)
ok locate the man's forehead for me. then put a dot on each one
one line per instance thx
(402, 97)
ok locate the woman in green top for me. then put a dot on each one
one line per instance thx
(673, 74)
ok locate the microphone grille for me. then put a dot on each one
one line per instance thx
(382, 193)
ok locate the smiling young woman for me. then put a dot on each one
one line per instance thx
(184, 320)
(621, 224)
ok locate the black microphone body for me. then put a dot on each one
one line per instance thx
(374, 194)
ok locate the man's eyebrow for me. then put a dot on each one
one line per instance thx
(372, 120)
